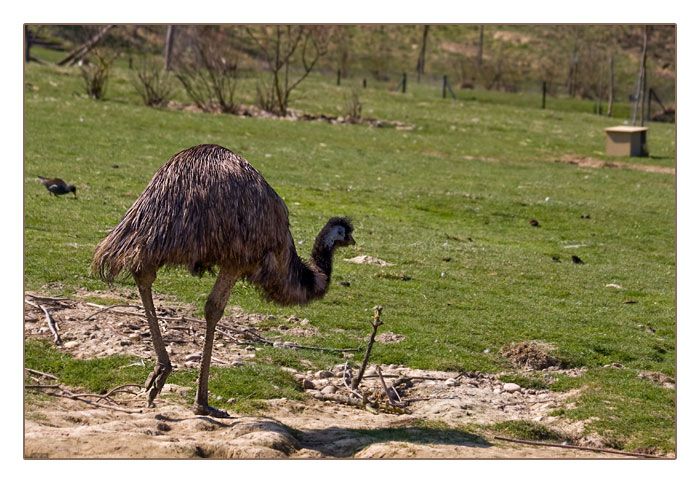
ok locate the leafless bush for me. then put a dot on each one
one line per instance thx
(210, 76)
(354, 108)
(95, 75)
(152, 83)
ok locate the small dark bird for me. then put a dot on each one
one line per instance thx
(534, 223)
(57, 186)
(576, 259)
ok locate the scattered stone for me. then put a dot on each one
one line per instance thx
(331, 389)
(451, 382)
(308, 384)
(70, 344)
(197, 356)
(323, 375)
(613, 285)
(511, 387)
(497, 390)
(125, 342)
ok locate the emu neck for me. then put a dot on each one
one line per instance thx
(322, 256)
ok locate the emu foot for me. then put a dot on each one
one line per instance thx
(206, 410)
(156, 380)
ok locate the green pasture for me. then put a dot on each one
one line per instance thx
(449, 202)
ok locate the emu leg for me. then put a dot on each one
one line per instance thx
(156, 380)
(213, 310)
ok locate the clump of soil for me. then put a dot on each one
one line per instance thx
(658, 378)
(530, 355)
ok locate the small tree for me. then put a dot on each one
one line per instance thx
(280, 46)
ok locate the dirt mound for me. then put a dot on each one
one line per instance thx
(530, 355)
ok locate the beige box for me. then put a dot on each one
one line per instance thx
(626, 141)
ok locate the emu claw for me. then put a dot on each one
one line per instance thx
(155, 381)
(206, 410)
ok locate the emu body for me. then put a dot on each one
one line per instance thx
(208, 207)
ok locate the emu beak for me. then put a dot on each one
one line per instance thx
(351, 240)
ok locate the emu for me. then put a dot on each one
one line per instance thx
(208, 207)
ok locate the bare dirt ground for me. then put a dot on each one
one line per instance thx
(448, 402)
(588, 162)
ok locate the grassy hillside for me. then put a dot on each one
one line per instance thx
(448, 202)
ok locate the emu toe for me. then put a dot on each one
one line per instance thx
(156, 380)
(206, 410)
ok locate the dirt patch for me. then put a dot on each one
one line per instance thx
(366, 259)
(390, 338)
(531, 355)
(56, 427)
(658, 378)
(587, 162)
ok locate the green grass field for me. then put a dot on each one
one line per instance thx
(448, 202)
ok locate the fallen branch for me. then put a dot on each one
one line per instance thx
(81, 397)
(582, 448)
(48, 299)
(104, 309)
(386, 390)
(50, 321)
(376, 322)
(34, 371)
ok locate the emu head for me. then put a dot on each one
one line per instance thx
(71, 189)
(338, 233)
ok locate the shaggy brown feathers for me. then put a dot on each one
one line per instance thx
(209, 207)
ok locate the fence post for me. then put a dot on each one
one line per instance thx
(444, 86)
(544, 94)
(338, 76)
(403, 83)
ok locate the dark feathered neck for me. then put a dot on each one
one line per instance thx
(322, 253)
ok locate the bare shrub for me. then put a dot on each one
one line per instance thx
(152, 83)
(353, 111)
(96, 74)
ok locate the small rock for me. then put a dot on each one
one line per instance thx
(194, 357)
(451, 382)
(497, 390)
(331, 389)
(70, 344)
(134, 336)
(308, 384)
(231, 400)
(323, 375)
(124, 342)
(511, 387)
(191, 364)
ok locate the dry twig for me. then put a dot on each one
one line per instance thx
(376, 322)
(34, 371)
(50, 321)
